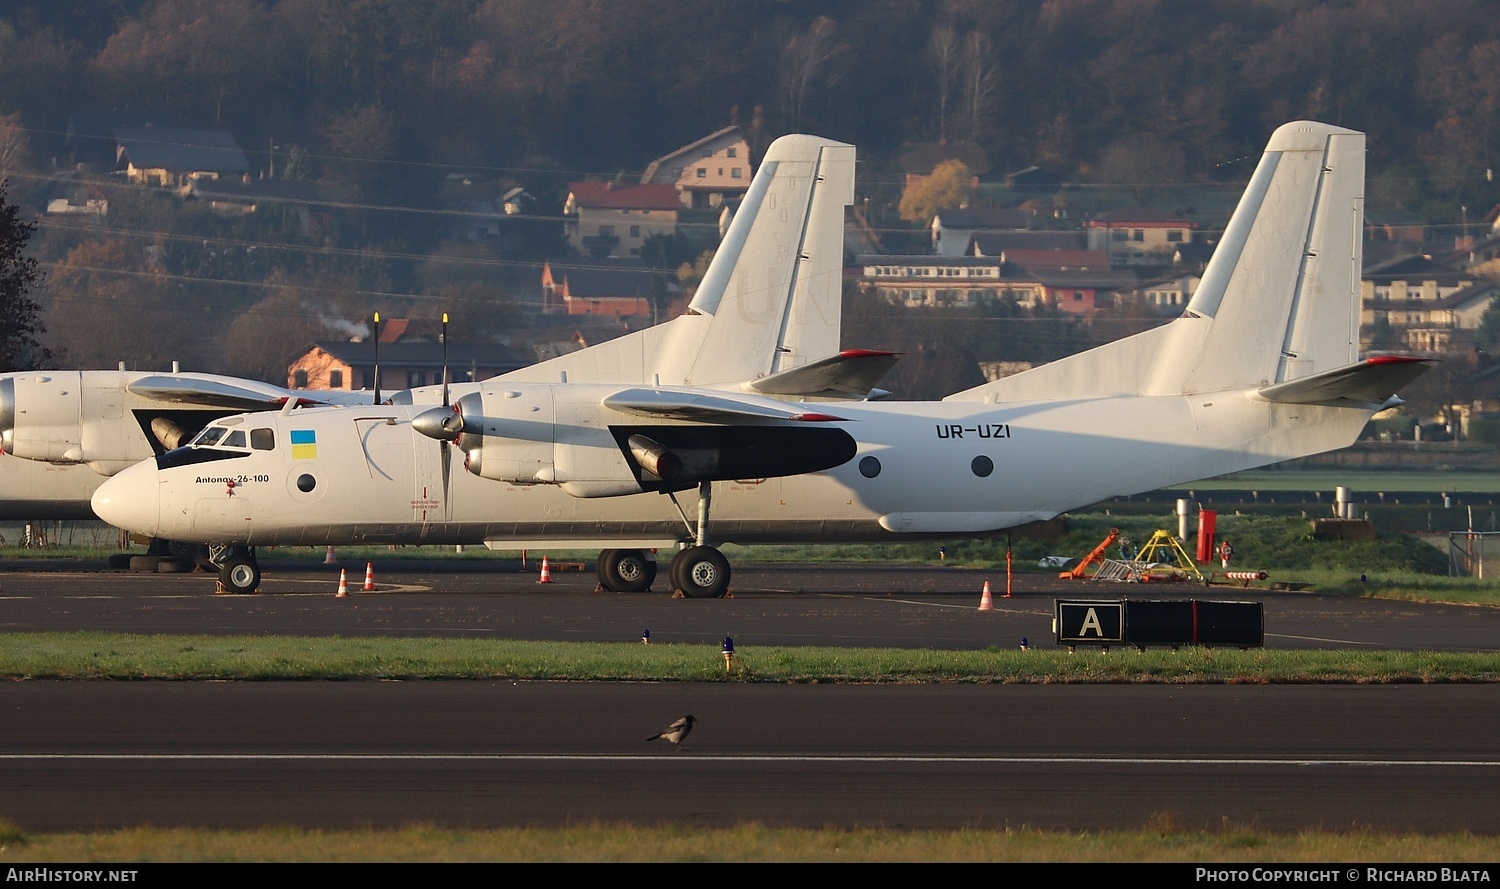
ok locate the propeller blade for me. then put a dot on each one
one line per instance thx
(443, 337)
(377, 357)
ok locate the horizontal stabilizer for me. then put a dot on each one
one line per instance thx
(230, 392)
(851, 373)
(683, 404)
(1372, 381)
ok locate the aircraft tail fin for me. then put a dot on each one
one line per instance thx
(1279, 300)
(771, 299)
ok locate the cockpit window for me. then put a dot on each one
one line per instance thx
(209, 437)
(235, 439)
(263, 439)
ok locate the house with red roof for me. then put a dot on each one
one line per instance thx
(615, 218)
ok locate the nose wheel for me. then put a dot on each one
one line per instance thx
(239, 572)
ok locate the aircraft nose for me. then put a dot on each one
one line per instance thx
(131, 499)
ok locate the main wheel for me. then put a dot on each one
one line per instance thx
(626, 570)
(240, 575)
(701, 572)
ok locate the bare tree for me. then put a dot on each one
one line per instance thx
(14, 144)
(980, 83)
(806, 63)
(943, 55)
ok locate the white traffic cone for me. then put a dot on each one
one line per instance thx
(546, 572)
(986, 603)
(369, 577)
(330, 558)
(343, 592)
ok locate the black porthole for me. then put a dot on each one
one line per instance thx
(305, 483)
(869, 467)
(982, 466)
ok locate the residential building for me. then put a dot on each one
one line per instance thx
(708, 173)
(1169, 296)
(1139, 236)
(1075, 282)
(1433, 306)
(174, 157)
(998, 243)
(350, 365)
(616, 218)
(622, 287)
(299, 201)
(952, 230)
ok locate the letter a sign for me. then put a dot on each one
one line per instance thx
(1093, 621)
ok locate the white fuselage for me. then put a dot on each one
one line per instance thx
(920, 470)
(30, 489)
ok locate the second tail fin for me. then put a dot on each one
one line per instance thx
(1279, 300)
(771, 298)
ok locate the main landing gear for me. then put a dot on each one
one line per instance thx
(626, 570)
(700, 571)
(239, 572)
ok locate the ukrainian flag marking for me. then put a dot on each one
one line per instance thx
(304, 444)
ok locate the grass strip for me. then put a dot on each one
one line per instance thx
(1159, 841)
(116, 656)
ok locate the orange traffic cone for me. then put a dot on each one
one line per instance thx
(546, 572)
(986, 603)
(330, 558)
(369, 577)
(343, 592)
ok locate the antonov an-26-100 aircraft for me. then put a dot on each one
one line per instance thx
(1261, 367)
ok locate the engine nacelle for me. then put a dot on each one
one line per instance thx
(530, 434)
(41, 416)
(568, 435)
(71, 417)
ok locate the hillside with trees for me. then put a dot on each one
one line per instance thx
(384, 104)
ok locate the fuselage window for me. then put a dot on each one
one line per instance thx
(235, 439)
(263, 439)
(869, 467)
(982, 466)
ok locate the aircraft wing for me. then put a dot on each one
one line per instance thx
(231, 392)
(851, 373)
(1372, 381)
(707, 407)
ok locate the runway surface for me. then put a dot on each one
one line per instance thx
(772, 604)
(485, 754)
(87, 755)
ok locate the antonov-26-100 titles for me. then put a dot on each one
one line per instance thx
(1262, 366)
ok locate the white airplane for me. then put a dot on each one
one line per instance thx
(771, 304)
(1262, 367)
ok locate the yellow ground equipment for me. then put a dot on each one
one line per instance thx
(1165, 559)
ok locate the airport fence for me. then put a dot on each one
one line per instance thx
(54, 534)
(1469, 552)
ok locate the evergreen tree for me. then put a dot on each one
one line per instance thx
(19, 315)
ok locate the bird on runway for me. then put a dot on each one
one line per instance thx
(676, 731)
